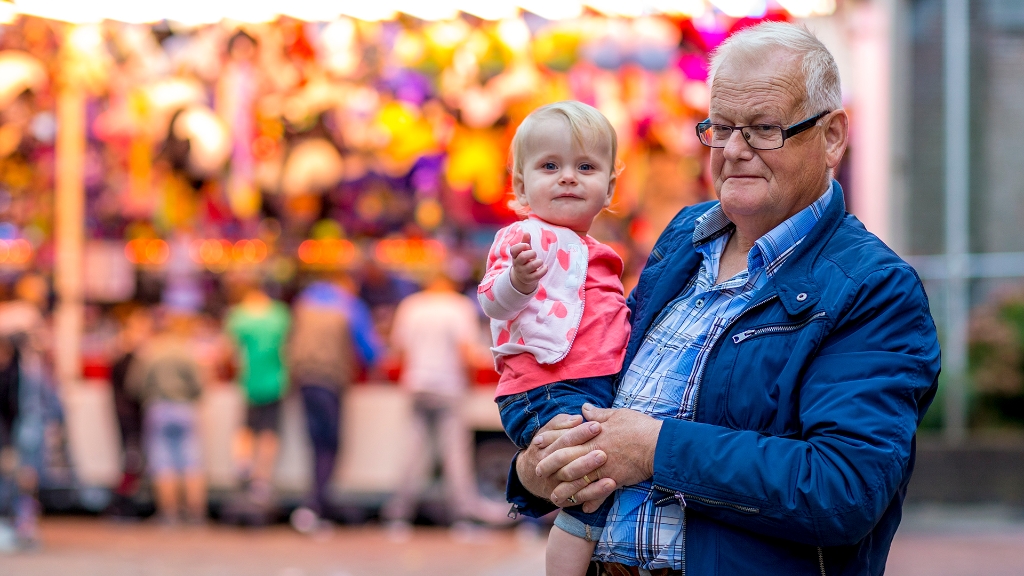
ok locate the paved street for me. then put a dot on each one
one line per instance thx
(932, 542)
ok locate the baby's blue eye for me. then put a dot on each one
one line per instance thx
(586, 166)
(550, 166)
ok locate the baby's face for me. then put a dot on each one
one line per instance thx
(564, 183)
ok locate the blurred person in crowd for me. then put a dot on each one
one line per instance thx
(434, 334)
(165, 378)
(258, 326)
(381, 288)
(136, 329)
(25, 382)
(332, 338)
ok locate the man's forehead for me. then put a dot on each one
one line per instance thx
(769, 85)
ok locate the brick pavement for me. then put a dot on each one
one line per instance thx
(931, 542)
(96, 547)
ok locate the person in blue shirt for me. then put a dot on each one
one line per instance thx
(780, 360)
(332, 339)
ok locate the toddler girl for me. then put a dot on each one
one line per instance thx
(558, 316)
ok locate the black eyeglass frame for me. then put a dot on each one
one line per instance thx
(787, 133)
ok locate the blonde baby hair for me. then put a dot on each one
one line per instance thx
(584, 120)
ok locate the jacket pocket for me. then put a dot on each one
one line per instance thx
(776, 328)
(768, 365)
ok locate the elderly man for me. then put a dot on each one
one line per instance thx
(781, 357)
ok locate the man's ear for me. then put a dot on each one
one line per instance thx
(837, 136)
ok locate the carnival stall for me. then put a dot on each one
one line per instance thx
(148, 151)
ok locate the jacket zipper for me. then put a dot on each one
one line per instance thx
(700, 379)
(746, 334)
(682, 507)
(693, 417)
(737, 507)
(821, 561)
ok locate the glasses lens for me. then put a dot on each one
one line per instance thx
(763, 137)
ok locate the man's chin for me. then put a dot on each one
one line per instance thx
(743, 198)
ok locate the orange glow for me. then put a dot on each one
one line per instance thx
(147, 251)
(327, 252)
(15, 251)
(157, 251)
(413, 252)
(218, 253)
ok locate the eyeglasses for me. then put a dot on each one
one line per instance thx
(759, 137)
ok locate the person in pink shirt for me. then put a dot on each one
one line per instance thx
(558, 315)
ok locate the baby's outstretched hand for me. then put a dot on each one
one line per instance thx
(527, 268)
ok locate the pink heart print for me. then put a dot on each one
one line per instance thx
(503, 337)
(547, 238)
(542, 294)
(559, 310)
(563, 259)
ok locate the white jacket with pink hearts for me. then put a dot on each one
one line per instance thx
(543, 323)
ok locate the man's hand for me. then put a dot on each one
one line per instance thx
(622, 454)
(527, 269)
(563, 434)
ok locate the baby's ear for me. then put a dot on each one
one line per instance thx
(518, 189)
(611, 190)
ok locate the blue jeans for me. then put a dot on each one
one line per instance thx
(524, 413)
(323, 410)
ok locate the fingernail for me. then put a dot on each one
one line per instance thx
(595, 427)
(536, 471)
(588, 406)
(601, 458)
(539, 439)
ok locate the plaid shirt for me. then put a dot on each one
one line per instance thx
(645, 526)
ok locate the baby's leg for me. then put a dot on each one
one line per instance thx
(567, 555)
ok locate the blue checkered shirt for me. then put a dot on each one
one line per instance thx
(645, 526)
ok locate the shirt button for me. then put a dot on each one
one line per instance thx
(801, 297)
(699, 303)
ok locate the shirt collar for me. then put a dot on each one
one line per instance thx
(773, 248)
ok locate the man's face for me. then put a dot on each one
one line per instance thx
(765, 186)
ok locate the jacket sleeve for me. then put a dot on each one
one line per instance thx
(498, 298)
(860, 401)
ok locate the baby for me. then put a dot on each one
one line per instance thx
(558, 316)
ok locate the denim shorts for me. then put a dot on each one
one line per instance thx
(524, 413)
(172, 438)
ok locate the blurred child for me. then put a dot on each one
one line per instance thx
(136, 328)
(549, 348)
(259, 327)
(165, 378)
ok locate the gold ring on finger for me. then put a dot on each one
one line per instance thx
(572, 500)
(587, 478)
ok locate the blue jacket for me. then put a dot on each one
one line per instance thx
(799, 456)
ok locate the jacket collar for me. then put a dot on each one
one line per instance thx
(794, 283)
(797, 289)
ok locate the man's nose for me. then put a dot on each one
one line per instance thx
(736, 146)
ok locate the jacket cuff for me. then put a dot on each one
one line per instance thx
(666, 451)
(506, 295)
(525, 502)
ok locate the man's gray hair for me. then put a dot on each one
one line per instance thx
(821, 74)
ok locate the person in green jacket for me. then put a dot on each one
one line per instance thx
(259, 326)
